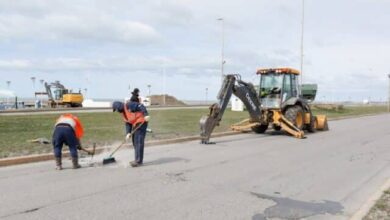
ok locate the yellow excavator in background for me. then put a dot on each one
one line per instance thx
(60, 96)
(280, 102)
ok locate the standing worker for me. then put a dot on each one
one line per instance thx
(135, 96)
(68, 130)
(135, 117)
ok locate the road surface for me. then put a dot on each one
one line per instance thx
(329, 175)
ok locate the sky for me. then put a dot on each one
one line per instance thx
(106, 47)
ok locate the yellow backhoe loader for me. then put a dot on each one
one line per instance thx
(280, 102)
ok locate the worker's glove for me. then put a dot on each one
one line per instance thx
(128, 136)
(147, 118)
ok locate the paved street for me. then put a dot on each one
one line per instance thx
(328, 175)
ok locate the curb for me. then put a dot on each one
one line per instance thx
(45, 157)
(366, 207)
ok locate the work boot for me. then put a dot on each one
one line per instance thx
(134, 163)
(58, 163)
(75, 162)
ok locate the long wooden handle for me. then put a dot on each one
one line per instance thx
(124, 142)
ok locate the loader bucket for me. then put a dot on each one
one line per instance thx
(322, 123)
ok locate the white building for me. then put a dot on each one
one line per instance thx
(7, 99)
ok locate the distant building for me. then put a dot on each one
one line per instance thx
(7, 99)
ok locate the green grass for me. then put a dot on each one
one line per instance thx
(101, 128)
(106, 128)
(381, 209)
(352, 111)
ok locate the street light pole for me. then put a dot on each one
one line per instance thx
(164, 85)
(222, 48)
(149, 89)
(207, 91)
(129, 88)
(303, 25)
(33, 81)
(388, 101)
(41, 100)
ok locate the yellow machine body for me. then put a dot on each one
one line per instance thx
(72, 98)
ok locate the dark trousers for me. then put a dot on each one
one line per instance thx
(139, 143)
(64, 135)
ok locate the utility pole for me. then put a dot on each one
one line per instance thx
(222, 48)
(388, 101)
(303, 25)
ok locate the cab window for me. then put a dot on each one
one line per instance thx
(287, 91)
(294, 85)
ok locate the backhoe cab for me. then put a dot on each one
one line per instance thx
(280, 102)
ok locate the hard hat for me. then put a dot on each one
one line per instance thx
(135, 92)
(117, 106)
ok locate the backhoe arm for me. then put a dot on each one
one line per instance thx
(232, 84)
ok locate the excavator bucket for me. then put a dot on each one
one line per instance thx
(209, 122)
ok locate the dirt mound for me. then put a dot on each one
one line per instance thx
(169, 100)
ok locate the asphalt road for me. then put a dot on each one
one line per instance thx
(329, 175)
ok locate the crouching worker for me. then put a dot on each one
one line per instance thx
(68, 130)
(136, 120)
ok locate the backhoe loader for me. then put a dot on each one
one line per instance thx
(280, 102)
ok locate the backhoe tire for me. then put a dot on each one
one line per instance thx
(260, 129)
(295, 115)
(311, 127)
(276, 127)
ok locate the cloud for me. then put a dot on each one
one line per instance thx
(37, 22)
(138, 39)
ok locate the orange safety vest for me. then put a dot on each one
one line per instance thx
(73, 122)
(133, 118)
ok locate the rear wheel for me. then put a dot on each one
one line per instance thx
(259, 129)
(295, 115)
(312, 126)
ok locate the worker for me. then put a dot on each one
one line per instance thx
(67, 130)
(135, 116)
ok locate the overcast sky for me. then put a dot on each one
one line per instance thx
(105, 46)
